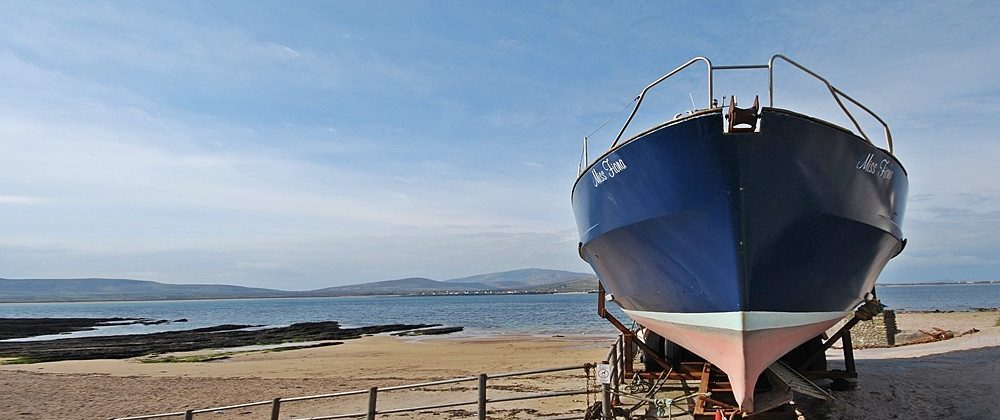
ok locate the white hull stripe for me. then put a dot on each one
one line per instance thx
(740, 321)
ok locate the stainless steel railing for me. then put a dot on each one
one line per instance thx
(837, 94)
(638, 99)
(482, 401)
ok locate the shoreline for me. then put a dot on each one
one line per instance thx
(98, 323)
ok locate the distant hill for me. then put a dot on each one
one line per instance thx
(523, 278)
(409, 285)
(587, 284)
(50, 290)
(532, 280)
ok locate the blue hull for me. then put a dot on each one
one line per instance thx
(799, 217)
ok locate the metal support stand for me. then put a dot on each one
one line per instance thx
(628, 341)
(715, 383)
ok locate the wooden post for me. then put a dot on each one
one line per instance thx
(605, 402)
(188, 415)
(482, 396)
(372, 402)
(275, 408)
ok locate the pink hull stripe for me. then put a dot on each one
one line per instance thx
(743, 355)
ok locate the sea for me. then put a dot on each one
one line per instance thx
(480, 315)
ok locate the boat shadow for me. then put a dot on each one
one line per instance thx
(955, 385)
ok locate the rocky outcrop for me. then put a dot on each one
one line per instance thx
(429, 331)
(31, 327)
(222, 336)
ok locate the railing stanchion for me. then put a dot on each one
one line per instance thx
(372, 402)
(275, 408)
(482, 397)
(605, 402)
(189, 414)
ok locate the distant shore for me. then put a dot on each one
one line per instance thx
(92, 290)
(291, 295)
(939, 283)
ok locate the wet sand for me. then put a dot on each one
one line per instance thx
(955, 378)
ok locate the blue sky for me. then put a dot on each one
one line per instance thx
(309, 144)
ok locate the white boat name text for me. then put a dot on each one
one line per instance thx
(880, 169)
(610, 168)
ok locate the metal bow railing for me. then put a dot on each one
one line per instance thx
(837, 94)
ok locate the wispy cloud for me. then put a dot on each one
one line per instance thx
(19, 199)
(265, 145)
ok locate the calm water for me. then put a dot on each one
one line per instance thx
(568, 314)
(480, 315)
(946, 297)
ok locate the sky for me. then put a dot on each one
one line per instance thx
(300, 145)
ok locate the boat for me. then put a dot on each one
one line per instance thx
(740, 234)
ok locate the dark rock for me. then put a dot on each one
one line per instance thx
(180, 320)
(429, 331)
(221, 336)
(31, 327)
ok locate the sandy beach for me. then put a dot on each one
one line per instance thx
(955, 378)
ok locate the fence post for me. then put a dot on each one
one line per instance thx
(372, 400)
(605, 402)
(188, 415)
(482, 396)
(275, 408)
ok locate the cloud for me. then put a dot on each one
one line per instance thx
(193, 145)
(19, 199)
(309, 263)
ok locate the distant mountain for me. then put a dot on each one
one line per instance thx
(532, 280)
(581, 285)
(409, 285)
(528, 277)
(49, 290)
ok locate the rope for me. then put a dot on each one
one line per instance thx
(662, 404)
(612, 118)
